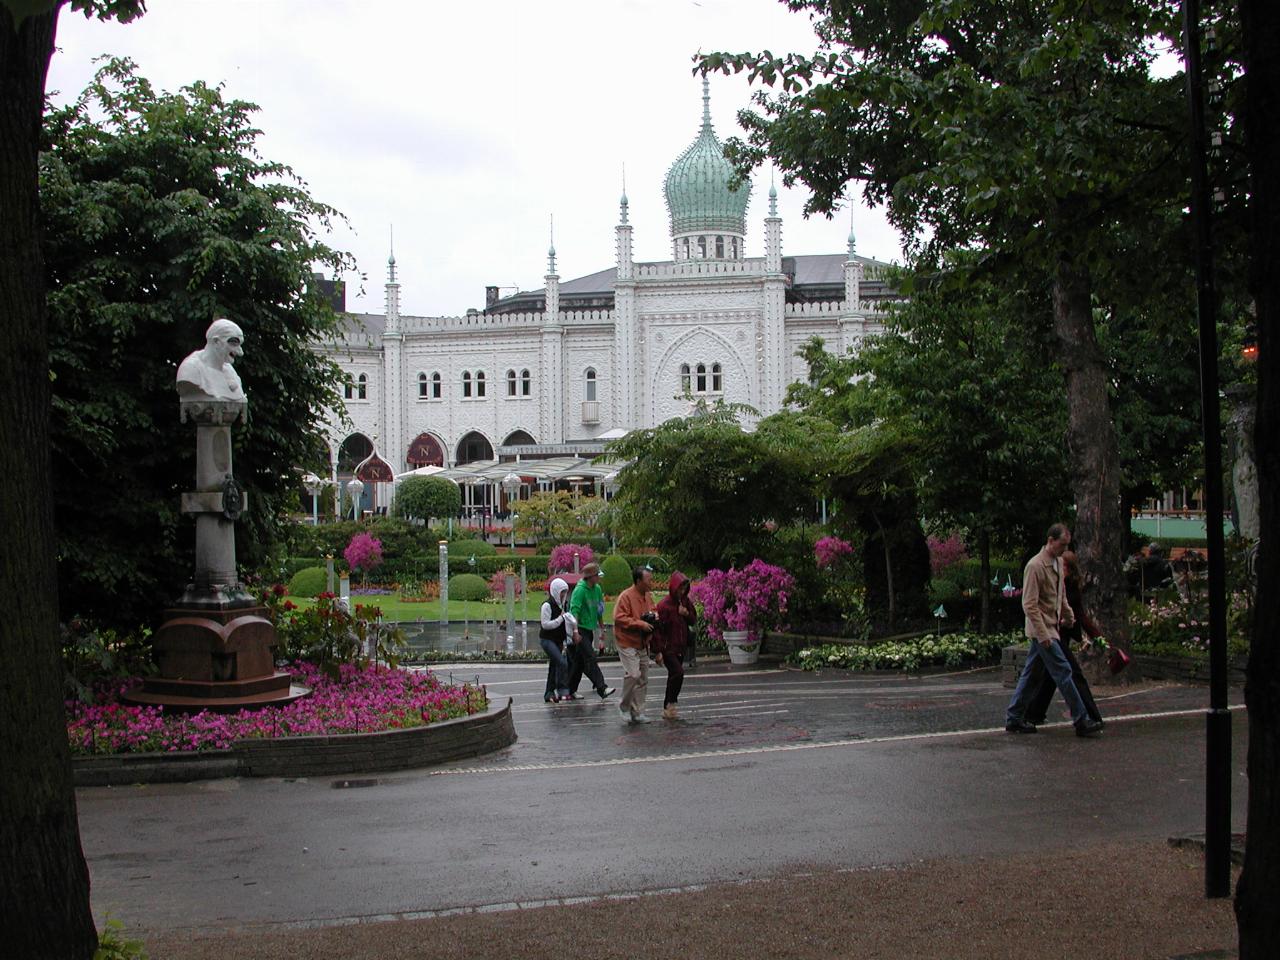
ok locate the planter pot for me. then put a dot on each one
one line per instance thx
(743, 649)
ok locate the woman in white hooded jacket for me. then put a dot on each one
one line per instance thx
(557, 628)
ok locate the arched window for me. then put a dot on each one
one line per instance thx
(734, 246)
(717, 378)
(686, 380)
(466, 383)
(702, 378)
(362, 387)
(348, 390)
(479, 383)
(422, 387)
(436, 386)
(702, 248)
(590, 383)
(511, 383)
(719, 248)
(684, 245)
(526, 383)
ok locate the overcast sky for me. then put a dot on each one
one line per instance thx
(468, 125)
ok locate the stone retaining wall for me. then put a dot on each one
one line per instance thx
(311, 756)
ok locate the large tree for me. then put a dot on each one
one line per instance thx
(44, 883)
(160, 216)
(1259, 920)
(1026, 130)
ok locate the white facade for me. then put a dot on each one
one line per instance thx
(613, 351)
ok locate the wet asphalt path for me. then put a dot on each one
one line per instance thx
(771, 772)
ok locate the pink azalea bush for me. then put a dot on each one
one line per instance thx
(831, 550)
(498, 583)
(364, 552)
(360, 700)
(946, 553)
(753, 599)
(561, 559)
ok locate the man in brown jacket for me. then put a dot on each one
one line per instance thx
(1045, 609)
(633, 620)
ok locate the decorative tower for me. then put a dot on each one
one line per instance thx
(552, 413)
(391, 396)
(623, 407)
(772, 354)
(852, 323)
(708, 220)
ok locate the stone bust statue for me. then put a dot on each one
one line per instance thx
(208, 374)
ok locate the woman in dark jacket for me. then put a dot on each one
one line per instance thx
(670, 640)
(1083, 631)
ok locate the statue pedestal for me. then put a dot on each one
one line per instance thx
(215, 648)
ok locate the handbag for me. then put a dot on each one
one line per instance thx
(1117, 660)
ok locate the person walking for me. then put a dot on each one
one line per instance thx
(587, 608)
(1045, 609)
(670, 642)
(556, 628)
(634, 619)
(1083, 631)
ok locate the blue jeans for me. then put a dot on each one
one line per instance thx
(558, 667)
(1057, 666)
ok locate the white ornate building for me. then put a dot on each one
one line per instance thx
(554, 371)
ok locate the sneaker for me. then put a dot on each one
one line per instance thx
(1019, 726)
(640, 718)
(607, 692)
(572, 696)
(1088, 728)
(626, 715)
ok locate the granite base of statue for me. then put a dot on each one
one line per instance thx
(215, 649)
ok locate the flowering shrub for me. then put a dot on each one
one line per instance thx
(753, 599)
(498, 583)
(830, 550)
(949, 650)
(561, 560)
(946, 553)
(328, 635)
(364, 552)
(1172, 624)
(357, 700)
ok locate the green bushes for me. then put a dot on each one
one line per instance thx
(942, 590)
(421, 498)
(308, 582)
(615, 574)
(949, 650)
(471, 548)
(468, 586)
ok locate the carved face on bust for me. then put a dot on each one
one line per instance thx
(224, 340)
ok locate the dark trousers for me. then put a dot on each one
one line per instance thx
(582, 660)
(1042, 687)
(557, 670)
(675, 678)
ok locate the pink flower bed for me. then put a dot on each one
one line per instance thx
(359, 701)
(831, 550)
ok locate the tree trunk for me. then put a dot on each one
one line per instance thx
(1256, 913)
(44, 883)
(1094, 459)
(984, 553)
(888, 564)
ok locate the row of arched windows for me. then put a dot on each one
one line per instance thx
(357, 389)
(702, 378)
(473, 384)
(710, 248)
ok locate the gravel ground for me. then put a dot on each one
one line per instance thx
(1127, 901)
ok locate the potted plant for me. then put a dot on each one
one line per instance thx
(740, 606)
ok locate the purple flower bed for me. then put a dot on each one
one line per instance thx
(359, 701)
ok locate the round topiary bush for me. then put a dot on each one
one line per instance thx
(468, 586)
(308, 582)
(615, 574)
(471, 548)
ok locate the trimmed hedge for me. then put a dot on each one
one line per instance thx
(309, 582)
(468, 586)
(471, 548)
(616, 574)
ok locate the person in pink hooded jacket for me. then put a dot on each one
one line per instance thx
(669, 642)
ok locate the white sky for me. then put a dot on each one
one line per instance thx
(467, 125)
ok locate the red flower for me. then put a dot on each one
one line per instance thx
(290, 605)
(279, 590)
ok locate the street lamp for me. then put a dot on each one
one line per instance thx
(354, 489)
(511, 487)
(314, 486)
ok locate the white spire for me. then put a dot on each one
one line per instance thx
(623, 202)
(551, 249)
(773, 196)
(391, 260)
(706, 102)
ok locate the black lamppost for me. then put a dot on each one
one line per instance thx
(1217, 813)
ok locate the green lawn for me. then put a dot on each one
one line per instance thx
(395, 609)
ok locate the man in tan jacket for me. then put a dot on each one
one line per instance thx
(634, 618)
(1045, 608)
